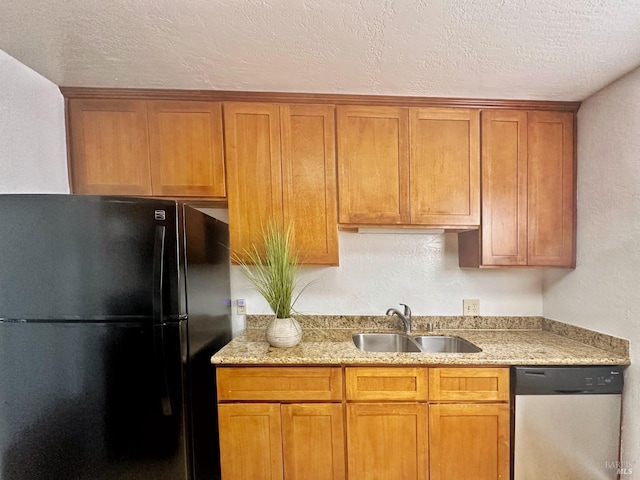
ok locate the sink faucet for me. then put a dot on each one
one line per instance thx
(406, 317)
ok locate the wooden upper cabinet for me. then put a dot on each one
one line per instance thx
(408, 166)
(504, 187)
(528, 192)
(551, 190)
(309, 180)
(444, 166)
(254, 176)
(185, 140)
(139, 147)
(108, 146)
(281, 166)
(373, 165)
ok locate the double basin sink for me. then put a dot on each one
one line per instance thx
(397, 342)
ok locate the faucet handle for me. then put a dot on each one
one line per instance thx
(407, 310)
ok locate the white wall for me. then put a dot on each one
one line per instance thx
(378, 271)
(603, 293)
(32, 132)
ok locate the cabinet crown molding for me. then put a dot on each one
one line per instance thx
(317, 98)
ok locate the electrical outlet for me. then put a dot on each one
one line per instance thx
(241, 306)
(470, 307)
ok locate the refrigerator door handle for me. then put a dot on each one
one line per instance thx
(158, 330)
(158, 274)
(161, 370)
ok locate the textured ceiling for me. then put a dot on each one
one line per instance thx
(528, 49)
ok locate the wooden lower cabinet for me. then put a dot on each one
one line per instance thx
(251, 441)
(469, 441)
(313, 441)
(387, 441)
(469, 423)
(273, 441)
(364, 423)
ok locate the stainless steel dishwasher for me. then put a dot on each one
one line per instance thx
(567, 422)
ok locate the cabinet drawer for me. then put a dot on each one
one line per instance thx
(279, 383)
(393, 383)
(473, 384)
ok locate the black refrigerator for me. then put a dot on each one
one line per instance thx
(110, 310)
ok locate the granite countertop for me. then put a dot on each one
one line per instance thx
(503, 340)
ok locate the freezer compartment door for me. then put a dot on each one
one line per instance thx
(90, 402)
(67, 257)
(566, 437)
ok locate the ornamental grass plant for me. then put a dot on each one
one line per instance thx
(272, 269)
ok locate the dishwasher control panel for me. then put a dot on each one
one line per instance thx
(580, 380)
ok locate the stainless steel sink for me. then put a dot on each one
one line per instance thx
(445, 344)
(384, 342)
(397, 342)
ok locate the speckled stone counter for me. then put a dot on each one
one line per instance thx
(503, 340)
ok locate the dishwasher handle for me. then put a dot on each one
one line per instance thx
(573, 392)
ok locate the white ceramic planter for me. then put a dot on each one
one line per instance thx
(284, 332)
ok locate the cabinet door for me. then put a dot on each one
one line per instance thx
(551, 189)
(445, 166)
(250, 441)
(254, 178)
(185, 143)
(309, 180)
(469, 442)
(387, 441)
(504, 187)
(373, 165)
(313, 442)
(109, 150)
